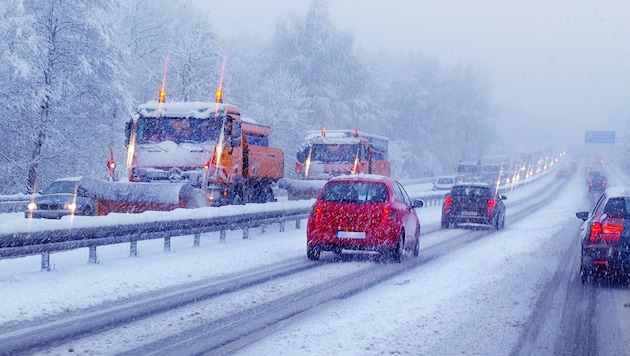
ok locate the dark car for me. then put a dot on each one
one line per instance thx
(64, 196)
(563, 172)
(474, 204)
(596, 181)
(605, 236)
(363, 212)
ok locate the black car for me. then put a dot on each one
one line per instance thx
(473, 204)
(64, 196)
(564, 172)
(596, 181)
(605, 236)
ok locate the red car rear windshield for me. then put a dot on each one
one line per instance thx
(355, 192)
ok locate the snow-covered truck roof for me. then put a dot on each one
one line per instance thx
(192, 109)
(346, 136)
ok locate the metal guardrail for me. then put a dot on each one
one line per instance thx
(30, 243)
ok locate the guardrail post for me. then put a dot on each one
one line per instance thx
(297, 223)
(222, 236)
(92, 258)
(46, 261)
(133, 249)
(245, 233)
(167, 244)
(196, 240)
(282, 226)
(263, 228)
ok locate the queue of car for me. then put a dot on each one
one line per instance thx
(374, 213)
(365, 212)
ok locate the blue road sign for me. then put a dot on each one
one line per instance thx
(599, 137)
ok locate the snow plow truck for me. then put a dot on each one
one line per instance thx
(180, 155)
(327, 154)
(206, 145)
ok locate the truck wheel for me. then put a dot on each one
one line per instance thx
(237, 195)
(268, 195)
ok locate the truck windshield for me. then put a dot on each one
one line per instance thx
(178, 130)
(333, 153)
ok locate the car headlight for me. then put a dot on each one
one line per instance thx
(70, 206)
(31, 205)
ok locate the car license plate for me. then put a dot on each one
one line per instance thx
(350, 234)
(469, 213)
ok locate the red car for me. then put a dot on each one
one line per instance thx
(363, 212)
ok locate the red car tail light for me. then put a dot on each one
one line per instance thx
(448, 201)
(491, 204)
(316, 212)
(605, 231)
(611, 232)
(596, 231)
(389, 214)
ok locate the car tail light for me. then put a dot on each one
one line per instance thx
(316, 212)
(596, 231)
(611, 232)
(448, 201)
(605, 231)
(389, 214)
(491, 204)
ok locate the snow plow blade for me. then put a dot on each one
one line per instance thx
(298, 189)
(126, 197)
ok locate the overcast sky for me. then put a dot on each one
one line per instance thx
(562, 63)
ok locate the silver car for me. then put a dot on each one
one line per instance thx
(64, 196)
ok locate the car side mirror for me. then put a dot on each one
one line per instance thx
(583, 215)
(503, 197)
(418, 203)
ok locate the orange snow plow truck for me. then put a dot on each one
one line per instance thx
(327, 154)
(206, 145)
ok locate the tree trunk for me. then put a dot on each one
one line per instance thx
(31, 187)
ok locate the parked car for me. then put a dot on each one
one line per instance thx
(64, 196)
(474, 204)
(444, 183)
(605, 236)
(363, 212)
